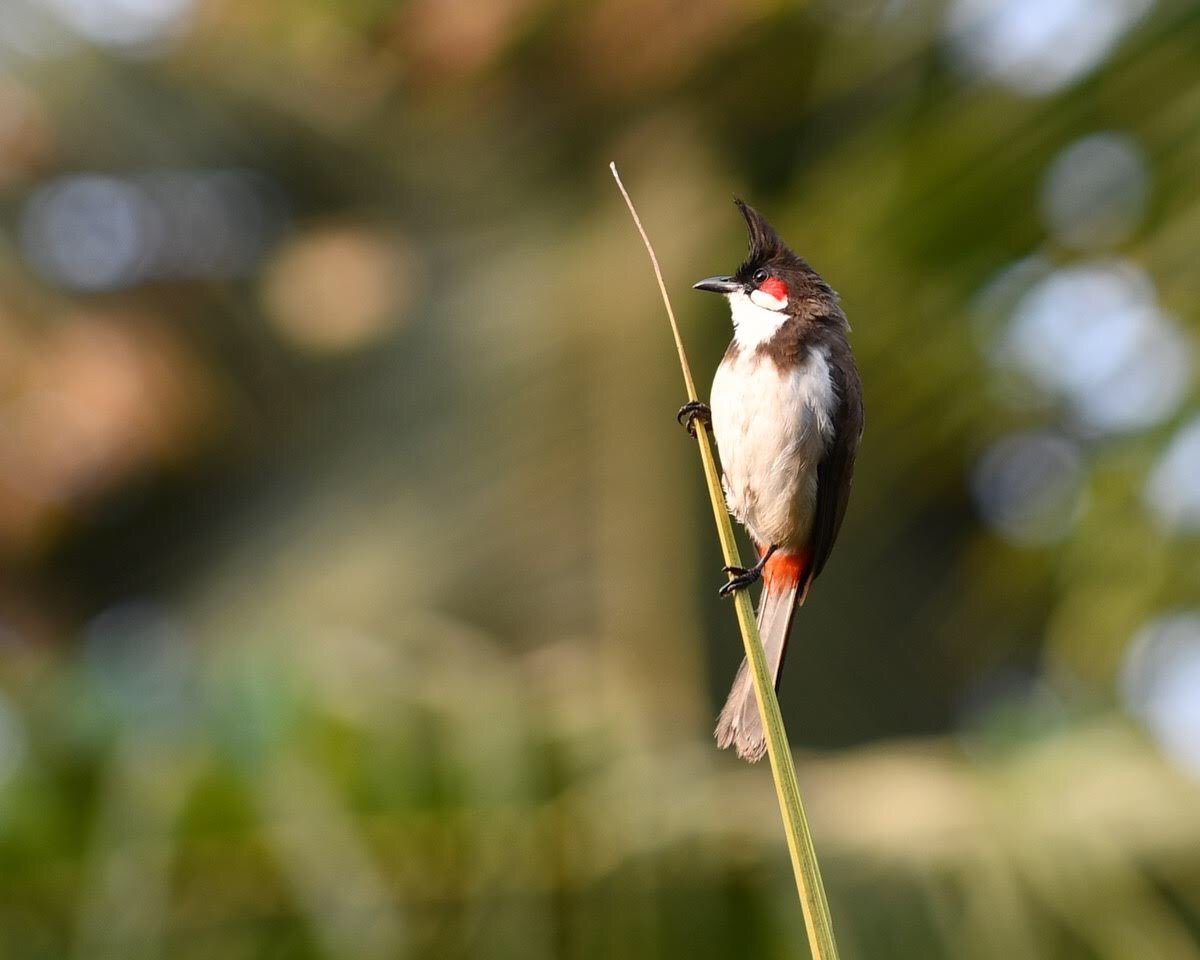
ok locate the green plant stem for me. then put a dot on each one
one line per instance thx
(813, 901)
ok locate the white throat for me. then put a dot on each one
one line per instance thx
(753, 322)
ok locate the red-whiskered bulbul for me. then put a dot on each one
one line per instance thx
(787, 414)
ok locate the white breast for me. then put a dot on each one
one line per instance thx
(756, 317)
(772, 428)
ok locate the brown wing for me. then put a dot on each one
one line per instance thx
(836, 471)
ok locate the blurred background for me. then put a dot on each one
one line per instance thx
(358, 588)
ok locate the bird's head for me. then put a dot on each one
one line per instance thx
(772, 277)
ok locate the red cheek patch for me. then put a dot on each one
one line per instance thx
(775, 287)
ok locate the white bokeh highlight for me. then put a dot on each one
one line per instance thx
(1030, 487)
(1092, 334)
(1172, 490)
(1160, 684)
(1036, 47)
(1094, 192)
(124, 24)
(92, 232)
(87, 232)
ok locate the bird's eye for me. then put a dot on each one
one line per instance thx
(760, 276)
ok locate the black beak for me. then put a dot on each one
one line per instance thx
(718, 285)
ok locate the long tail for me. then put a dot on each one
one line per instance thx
(739, 724)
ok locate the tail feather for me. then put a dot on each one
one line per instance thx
(740, 725)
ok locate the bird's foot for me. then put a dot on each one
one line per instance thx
(739, 579)
(692, 411)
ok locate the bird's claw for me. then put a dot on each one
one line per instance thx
(692, 411)
(739, 579)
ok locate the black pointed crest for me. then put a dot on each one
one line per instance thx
(765, 243)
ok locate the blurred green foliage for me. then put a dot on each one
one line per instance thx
(339, 478)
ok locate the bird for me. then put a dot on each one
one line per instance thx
(786, 411)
